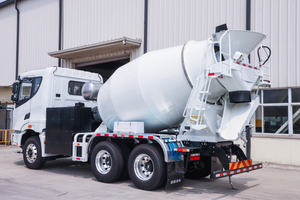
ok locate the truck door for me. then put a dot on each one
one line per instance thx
(28, 87)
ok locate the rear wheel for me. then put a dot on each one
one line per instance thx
(107, 162)
(146, 167)
(126, 152)
(199, 169)
(32, 153)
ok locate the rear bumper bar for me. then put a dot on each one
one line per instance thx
(221, 174)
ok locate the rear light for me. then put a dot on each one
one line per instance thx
(195, 156)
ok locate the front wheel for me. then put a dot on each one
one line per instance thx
(146, 167)
(32, 153)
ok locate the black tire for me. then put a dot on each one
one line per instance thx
(199, 170)
(107, 162)
(32, 153)
(126, 152)
(146, 167)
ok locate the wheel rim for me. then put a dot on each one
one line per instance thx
(143, 167)
(31, 153)
(103, 162)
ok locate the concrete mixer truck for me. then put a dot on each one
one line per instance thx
(165, 116)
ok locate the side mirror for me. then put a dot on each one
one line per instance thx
(14, 98)
(15, 88)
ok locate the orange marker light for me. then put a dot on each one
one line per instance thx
(29, 126)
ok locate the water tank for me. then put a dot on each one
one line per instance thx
(155, 87)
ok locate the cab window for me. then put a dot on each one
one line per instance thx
(28, 88)
(25, 89)
(74, 87)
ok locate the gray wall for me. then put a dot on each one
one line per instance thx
(6, 119)
(280, 20)
(170, 23)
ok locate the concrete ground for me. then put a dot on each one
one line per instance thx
(65, 179)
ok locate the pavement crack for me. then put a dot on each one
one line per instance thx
(62, 194)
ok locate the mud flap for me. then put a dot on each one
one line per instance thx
(174, 179)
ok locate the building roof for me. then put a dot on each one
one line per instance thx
(105, 46)
(5, 2)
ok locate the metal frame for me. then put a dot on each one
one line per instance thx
(289, 105)
(159, 138)
(6, 135)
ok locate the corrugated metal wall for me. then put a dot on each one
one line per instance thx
(174, 22)
(170, 23)
(280, 20)
(38, 34)
(8, 18)
(93, 21)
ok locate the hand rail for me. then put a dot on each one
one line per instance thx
(5, 135)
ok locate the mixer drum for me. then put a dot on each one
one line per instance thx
(154, 88)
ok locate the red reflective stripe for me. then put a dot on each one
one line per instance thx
(131, 136)
(222, 174)
(238, 166)
(140, 136)
(98, 134)
(245, 165)
(211, 74)
(150, 137)
(246, 65)
(106, 135)
(232, 166)
(249, 162)
(115, 135)
(77, 158)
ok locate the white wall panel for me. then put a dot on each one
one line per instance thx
(297, 43)
(92, 21)
(7, 44)
(38, 34)
(280, 20)
(174, 22)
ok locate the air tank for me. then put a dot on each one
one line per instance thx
(155, 87)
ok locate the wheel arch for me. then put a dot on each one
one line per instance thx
(164, 147)
(93, 142)
(28, 133)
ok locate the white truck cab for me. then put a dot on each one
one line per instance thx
(37, 90)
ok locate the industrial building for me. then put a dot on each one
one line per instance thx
(102, 35)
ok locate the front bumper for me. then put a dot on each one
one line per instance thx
(16, 138)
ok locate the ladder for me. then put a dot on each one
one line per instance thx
(198, 98)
